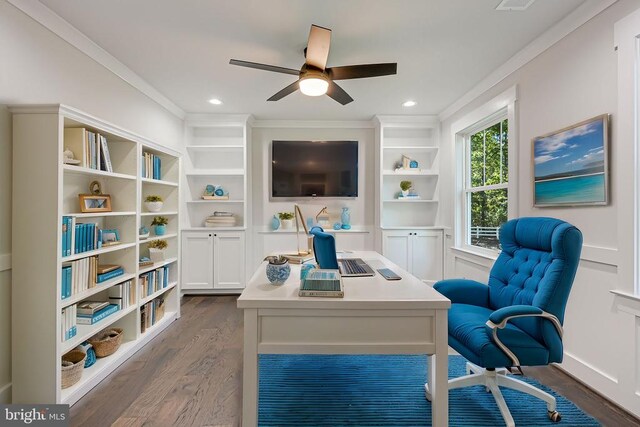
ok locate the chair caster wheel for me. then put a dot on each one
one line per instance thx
(554, 416)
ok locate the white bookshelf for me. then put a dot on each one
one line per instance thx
(45, 191)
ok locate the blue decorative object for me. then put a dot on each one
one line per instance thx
(413, 164)
(89, 351)
(305, 269)
(160, 229)
(219, 191)
(337, 226)
(346, 218)
(382, 391)
(517, 319)
(278, 270)
(209, 189)
(275, 222)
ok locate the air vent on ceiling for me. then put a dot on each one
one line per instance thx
(514, 4)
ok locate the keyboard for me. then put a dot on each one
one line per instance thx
(354, 267)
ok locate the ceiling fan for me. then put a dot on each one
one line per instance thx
(315, 78)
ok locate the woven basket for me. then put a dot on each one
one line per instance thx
(72, 367)
(106, 342)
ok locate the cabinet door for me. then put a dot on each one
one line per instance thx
(197, 260)
(396, 247)
(229, 265)
(426, 255)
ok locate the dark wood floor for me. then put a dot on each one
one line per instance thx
(191, 375)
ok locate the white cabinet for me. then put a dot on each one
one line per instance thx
(419, 252)
(214, 260)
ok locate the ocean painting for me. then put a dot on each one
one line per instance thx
(570, 165)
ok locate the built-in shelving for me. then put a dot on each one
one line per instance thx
(37, 246)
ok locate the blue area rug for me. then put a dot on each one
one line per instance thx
(372, 390)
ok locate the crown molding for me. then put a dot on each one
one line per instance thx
(314, 124)
(560, 30)
(217, 120)
(67, 32)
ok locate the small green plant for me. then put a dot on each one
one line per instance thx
(153, 199)
(285, 215)
(159, 220)
(405, 185)
(158, 244)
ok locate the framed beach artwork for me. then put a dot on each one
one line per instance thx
(570, 165)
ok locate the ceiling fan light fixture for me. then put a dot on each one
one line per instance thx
(215, 101)
(315, 85)
(409, 103)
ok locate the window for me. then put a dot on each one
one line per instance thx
(486, 183)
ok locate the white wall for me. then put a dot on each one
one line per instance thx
(38, 67)
(362, 207)
(574, 80)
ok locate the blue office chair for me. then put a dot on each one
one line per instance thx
(517, 319)
(324, 248)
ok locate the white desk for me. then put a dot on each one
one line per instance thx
(375, 316)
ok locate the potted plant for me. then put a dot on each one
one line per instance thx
(156, 250)
(160, 223)
(153, 203)
(286, 220)
(405, 186)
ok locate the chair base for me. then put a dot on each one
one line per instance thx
(493, 380)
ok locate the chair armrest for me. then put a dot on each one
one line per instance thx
(499, 318)
(463, 291)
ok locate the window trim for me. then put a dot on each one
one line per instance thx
(499, 108)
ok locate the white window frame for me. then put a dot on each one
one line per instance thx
(499, 108)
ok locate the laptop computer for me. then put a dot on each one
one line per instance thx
(354, 267)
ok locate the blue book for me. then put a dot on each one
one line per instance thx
(109, 275)
(97, 316)
(156, 168)
(68, 235)
(92, 238)
(76, 239)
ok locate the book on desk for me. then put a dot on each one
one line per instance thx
(322, 283)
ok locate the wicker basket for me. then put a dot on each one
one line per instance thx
(106, 342)
(72, 367)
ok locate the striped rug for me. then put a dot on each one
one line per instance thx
(372, 390)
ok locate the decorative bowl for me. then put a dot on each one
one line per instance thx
(153, 206)
(278, 270)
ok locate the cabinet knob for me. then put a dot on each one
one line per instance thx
(209, 235)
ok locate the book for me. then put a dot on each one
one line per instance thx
(106, 157)
(105, 268)
(110, 275)
(75, 140)
(215, 198)
(299, 258)
(91, 307)
(96, 317)
(322, 283)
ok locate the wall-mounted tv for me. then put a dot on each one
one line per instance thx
(314, 169)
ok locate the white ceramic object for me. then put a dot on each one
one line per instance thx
(286, 224)
(153, 206)
(156, 255)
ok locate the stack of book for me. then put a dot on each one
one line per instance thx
(90, 312)
(108, 272)
(153, 281)
(90, 149)
(409, 197)
(151, 312)
(78, 238)
(322, 283)
(151, 166)
(220, 219)
(122, 295)
(68, 327)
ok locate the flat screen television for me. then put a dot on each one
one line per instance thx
(314, 169)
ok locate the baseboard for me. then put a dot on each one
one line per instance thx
(5, 394)
(581, 364)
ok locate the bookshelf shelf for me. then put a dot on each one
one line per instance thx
(217, 172)
(73, 299)
(148, 268)
(39, 316)
(410, 172)
(410, 201)
(70, 169)
(214, 229)
(156, 294)
(160, 324)
(87, 331)
(214, 147)
(214, 201)
(410, 148)
(164, 236)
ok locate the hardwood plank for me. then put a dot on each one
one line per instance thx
(191, 375)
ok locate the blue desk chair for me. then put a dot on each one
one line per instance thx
(324, 248)
(517, 319)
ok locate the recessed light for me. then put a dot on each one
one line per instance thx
(409, 103)
(215, 101)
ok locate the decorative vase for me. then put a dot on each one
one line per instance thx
(275, 222)
(405, 193)
(346, 218)
(337, 226)
(153, 206)
(278, 269)
(156, 255)
(160, 230)
(287, 224)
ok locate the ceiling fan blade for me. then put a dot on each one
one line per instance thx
(286, 91)
(265, 67)
(337, 93)
(318, 47)
(362, 71)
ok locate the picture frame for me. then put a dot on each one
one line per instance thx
(571, 165)
(110, 236)
(94, 203)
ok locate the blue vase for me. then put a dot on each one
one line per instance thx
(275, 222)
(278, 273)
(160, 230)
(346, 219)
